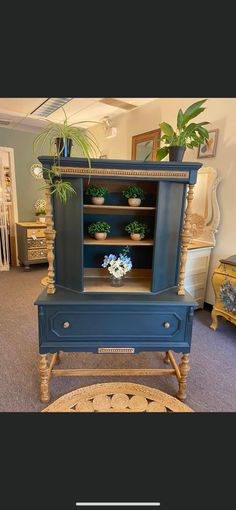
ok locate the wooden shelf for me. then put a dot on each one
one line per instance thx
(119, 241)
(114, 207)
(118, 210)
(96, 280)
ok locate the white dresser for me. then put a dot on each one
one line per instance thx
(197, 271)
(205, 220)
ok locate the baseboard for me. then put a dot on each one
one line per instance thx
(207, 306)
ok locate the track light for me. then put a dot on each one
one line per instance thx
(110, 131)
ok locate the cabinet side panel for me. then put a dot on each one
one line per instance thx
(68, 222)
(168, 225)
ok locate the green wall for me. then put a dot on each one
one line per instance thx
(28, 188)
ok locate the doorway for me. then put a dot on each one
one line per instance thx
(8, 210)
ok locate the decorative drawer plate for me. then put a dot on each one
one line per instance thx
(37, 243)
(36, 232)
(37, 254)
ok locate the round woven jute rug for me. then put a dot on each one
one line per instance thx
(117, 397)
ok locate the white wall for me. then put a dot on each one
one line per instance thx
(221, 112)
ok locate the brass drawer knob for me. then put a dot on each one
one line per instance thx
(66, 325)
(166, 325)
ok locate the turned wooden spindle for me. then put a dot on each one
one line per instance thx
(44, 378)
(185, 240)
(184, 369)
(50, 235)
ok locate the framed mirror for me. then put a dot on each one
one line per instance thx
(145, 145)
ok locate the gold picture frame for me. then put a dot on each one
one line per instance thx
(145, 145)
(208, 148)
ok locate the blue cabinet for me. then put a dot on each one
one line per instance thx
(81, 311)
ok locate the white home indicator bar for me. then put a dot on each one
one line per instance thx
(118, 504)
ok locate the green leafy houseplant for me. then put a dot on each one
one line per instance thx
(185, 135)
(136, 230)
(134, 192)
(99, 230)
(96, 193)
(40, 211)
(58, 135)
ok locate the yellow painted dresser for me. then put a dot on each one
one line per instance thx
(224, 285)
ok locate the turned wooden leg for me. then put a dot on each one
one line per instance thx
(184, 369)
(58, 357)
(214, 323)
(166, 358)
(44, 378)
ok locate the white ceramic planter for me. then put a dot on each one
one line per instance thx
(135, 237)
(41, 219)
(97, 200)
(100, 235)
(134, 202)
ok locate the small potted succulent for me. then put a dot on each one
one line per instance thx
(134, 194)
(137, 230)
(99, 230)
(96, 193)
(40, 213)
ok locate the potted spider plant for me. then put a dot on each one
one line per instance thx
(61, 138)
(185, 135)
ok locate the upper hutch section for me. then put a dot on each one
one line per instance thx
(110, 168)
(156, 258)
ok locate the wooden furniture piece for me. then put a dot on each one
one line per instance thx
(224, 285)
(32, 247)
(205, 218)
(119, 397)
(197, 271)
(146, 145)
(80, 311)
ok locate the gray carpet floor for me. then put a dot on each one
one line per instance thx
(211, 381)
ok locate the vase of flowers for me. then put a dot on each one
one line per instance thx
(118, 266)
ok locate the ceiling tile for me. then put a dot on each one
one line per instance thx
(23, 105)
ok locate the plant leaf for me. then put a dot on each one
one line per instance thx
(162, 153)
(167, 129)
(180, 118)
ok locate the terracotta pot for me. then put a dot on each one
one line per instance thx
(100, 235)
(134, 202)
(135, 237)
(98, 200)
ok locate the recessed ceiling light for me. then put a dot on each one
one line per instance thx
(50, 105)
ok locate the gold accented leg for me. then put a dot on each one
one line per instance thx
(50, 235)
(184, 369)
(166, 358)
(214, 323)
(44, 378)
(58, 357)
(185, 240)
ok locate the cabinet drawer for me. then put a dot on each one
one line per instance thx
(37, 243)
(35, 232)
(37, 254)
(102, 326)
